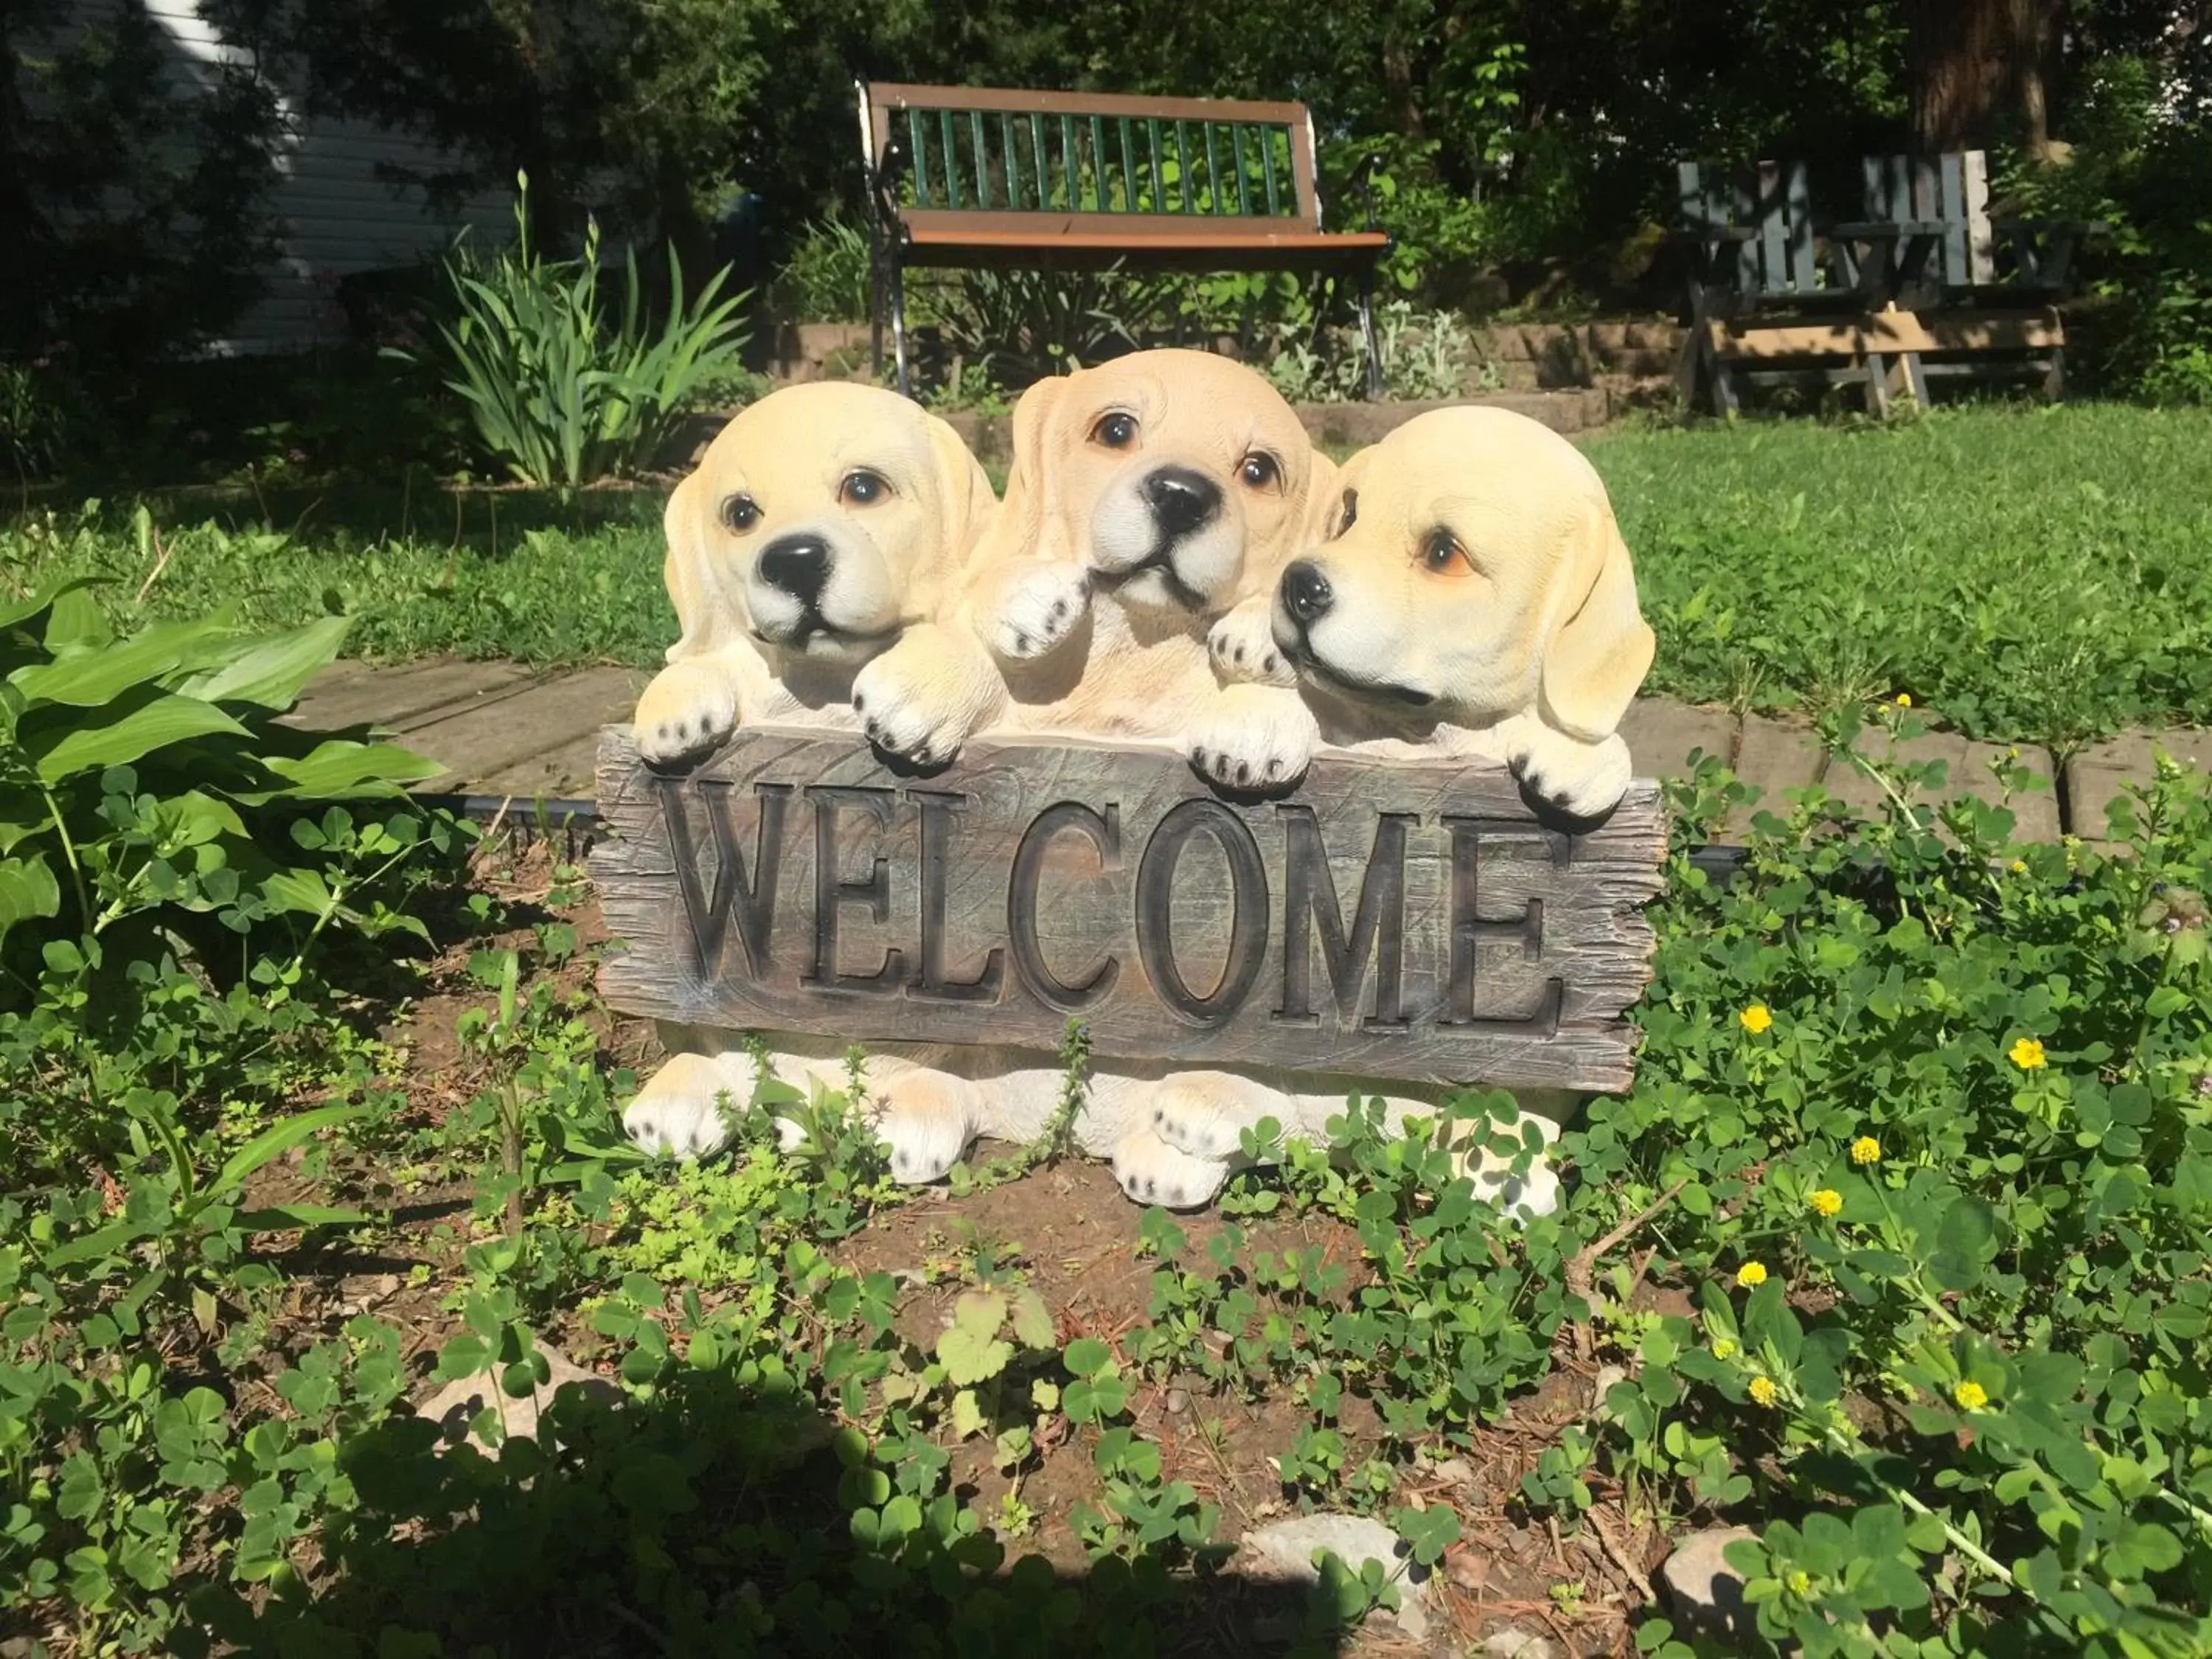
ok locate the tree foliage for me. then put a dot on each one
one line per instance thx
(133, 185)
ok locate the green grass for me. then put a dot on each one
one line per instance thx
(2042, 576)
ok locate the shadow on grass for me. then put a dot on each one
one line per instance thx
(722, 1516)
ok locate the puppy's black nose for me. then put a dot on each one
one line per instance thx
(796, 564)
(1182, 499)
(1306, 593)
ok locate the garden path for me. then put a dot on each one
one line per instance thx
(501, 733)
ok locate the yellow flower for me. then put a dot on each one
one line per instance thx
(2020, 867)
(1755, 1019)
(1905, 700)
(1751, 1275)
(1866, 1150)
(1971, 1396)
(1800, 1582)
(1764, 1391)
(2028, 1055)
(1827, 1201)
(1723, 1347)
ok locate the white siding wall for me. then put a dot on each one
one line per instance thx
(339, 216)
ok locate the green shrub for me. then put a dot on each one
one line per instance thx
(826, 279)
(561, 392)
(171, 863)
(2146, 174)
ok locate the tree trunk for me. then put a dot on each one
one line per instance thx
(1973, 64)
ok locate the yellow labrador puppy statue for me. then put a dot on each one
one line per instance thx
(1148, 496)
(1472, 596)
(823, 532)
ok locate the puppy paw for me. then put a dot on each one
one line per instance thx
(925, 1128)
(1253, 737)
(1036, 612)
(1242, 647)
(679, 1108)
(687, 708)
(1575, 780)
(1197, 1122)
(1153, 1172)
(908, 711)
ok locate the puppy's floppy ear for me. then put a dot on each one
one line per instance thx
(1601, 648)
(1028, 523)
(1323, 505)
(701, 610)
(966, 508)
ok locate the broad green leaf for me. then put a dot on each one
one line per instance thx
(276, 1141)
(146, 723)
(24, 610)
(86, 679)
(271, 671)
(341, 768)
(1966, 1244)
(302, 891)
(980, 1312)
(93, 1245)
(969, 1358)
(278, 1217)
(1033, 1321)
(28, 892)
(967, 1414)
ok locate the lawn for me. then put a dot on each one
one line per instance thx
(1894, 1257)
(2042, 576)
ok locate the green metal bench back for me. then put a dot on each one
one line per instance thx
(1772, 199)
(978, 150)
(1953, 188)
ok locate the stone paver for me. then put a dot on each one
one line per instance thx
(1773, 756)
(348, 694)
(529, 744)
(1662, 734)
(500, 731)
(1966, 772)
(2099, 775)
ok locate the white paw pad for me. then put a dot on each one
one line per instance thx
(1196, 1126)
(1039, 610)
(1153, 1172)
(924, 1140)
(1242, 648)
(904, 715)
(689, 715)
(686, 1124)
(1265, 742)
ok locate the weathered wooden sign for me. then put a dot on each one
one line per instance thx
(1399, 919)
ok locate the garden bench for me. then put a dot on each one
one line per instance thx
(972, 177)
(1926, 285)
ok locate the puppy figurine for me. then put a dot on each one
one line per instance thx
(1147, 496)
(823, 530)
(1472, 596)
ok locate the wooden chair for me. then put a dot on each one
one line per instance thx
(1758, 271)
(979, 177)
(1985, 291)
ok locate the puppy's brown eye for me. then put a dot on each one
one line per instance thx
(863, 488)
(1261, 470)
(1115, 431)
(1442, 553)
(1350, 513)
(740, 513)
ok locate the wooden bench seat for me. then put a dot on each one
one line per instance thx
(994, 178)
